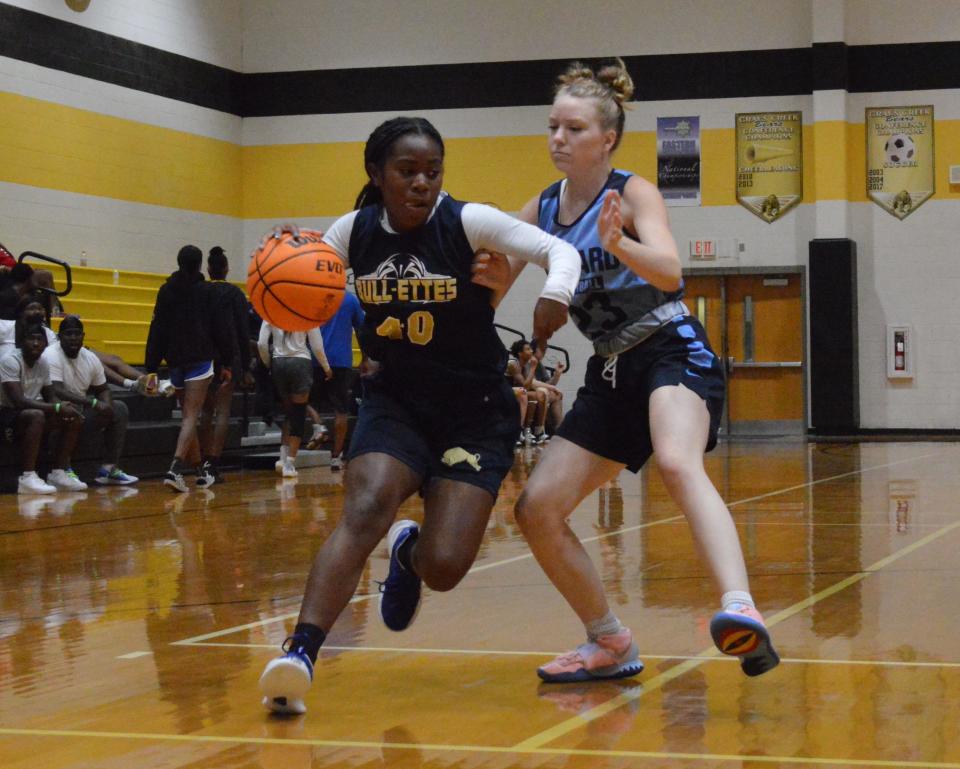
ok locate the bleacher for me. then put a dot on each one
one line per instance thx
(116, 308)
(115, 305)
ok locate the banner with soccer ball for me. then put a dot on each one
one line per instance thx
(900, 172)
(769, 162)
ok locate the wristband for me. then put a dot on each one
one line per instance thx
(56, 407)
(93, 403)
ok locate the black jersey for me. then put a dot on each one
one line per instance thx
(426, 323)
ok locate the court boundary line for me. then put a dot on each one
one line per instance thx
(484, 567)
(370, 745)
(655, 683)
(519, 653)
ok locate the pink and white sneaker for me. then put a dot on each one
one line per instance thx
(610, 656)
(739, 631)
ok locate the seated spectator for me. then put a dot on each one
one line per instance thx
(14, 284)
(30, 309)
(519, 392)
(548, 381)
(78, 377)
(537, 397)
(30, 407)
(43, 285)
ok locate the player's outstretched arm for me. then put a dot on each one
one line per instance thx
(490, 229)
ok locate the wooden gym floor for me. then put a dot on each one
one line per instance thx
(134, 626)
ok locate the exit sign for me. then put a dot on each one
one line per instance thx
(703, 249)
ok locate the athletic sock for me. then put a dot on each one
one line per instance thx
(283, 452)
(737, 596)
(608, 624)
(538, 431)
(309, 638)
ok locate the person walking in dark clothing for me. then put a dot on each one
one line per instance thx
(188, 334)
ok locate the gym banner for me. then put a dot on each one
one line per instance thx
(900, 157)
(769, 162)
(678, 160)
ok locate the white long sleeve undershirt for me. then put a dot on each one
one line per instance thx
(488, 228)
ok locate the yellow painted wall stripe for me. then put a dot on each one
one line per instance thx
(55, 147)
(52, 146)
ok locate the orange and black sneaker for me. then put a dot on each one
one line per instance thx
(740, 632)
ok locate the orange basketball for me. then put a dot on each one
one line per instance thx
(296, 283)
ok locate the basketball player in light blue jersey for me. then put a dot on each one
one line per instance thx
(653, 387)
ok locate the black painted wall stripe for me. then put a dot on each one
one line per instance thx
(61, 45)
(905, 67)
(48, 42)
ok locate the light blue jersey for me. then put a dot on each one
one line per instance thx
(613, 306)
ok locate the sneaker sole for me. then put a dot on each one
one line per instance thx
(626, 670)
(739, 636)
(282, 679)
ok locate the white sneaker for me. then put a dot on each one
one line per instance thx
(336, 464)
(278, 466)
(31, 483)
(289, 469)
(66, 480)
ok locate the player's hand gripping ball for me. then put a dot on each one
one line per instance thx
(295, 281)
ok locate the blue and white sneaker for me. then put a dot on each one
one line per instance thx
(400, 593)
(286, 680)
(114, 477)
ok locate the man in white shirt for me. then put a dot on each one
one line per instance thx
(78, 377)
(29, 407)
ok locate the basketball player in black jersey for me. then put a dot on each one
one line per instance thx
(437, 415)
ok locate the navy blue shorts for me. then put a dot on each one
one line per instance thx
(614, 422)
(468, 438)
(192, 372)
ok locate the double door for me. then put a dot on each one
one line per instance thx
(755, 322)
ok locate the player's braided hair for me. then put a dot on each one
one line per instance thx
(612, 88)
(380, 143)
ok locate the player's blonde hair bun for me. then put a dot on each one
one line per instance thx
(618, 80)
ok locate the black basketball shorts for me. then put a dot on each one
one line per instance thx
(460, 437)
(610, 416)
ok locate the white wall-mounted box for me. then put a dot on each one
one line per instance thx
(900, 352)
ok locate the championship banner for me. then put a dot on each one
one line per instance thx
(900, 174)
(678, 160)
(769, 162)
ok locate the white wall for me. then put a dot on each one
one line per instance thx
(329, 34)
